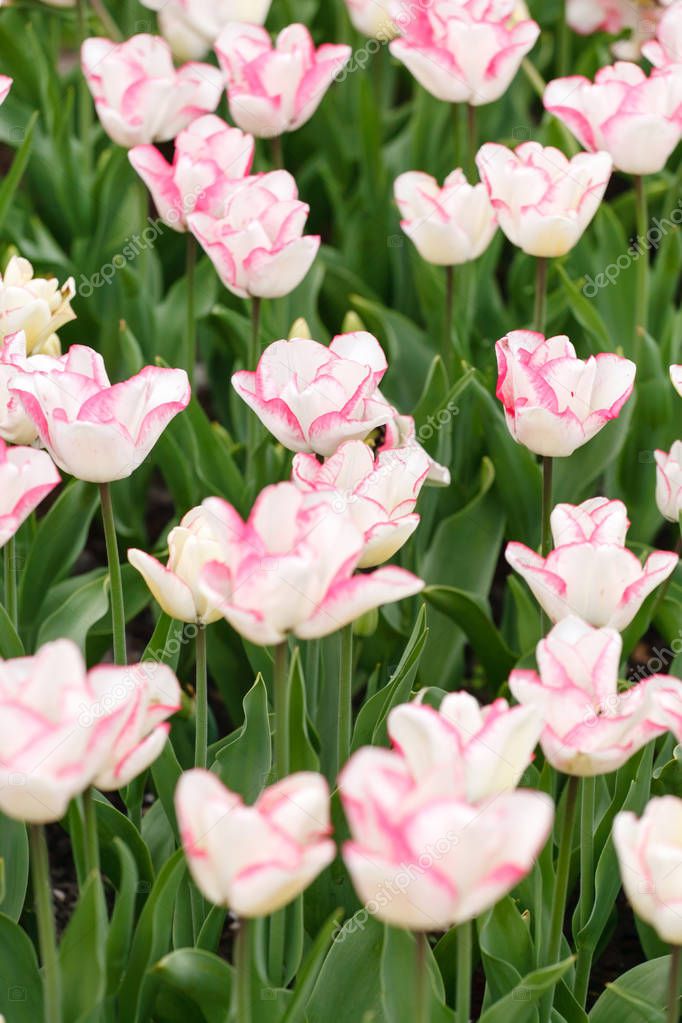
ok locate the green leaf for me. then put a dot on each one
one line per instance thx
(639, 996)
(203, 978)
(21, 994)
(506, 947)
(10, 643)
(400, 983)
(518, 1005)
(12, 179)
(84, 977)
(122, 918)
(166, 773)
(310, 970)
(302, 752)
(14, 864)
(244, 761)
(348, 989)
(76, 616)
(471, 614)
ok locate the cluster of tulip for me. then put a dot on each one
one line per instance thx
(441, 826)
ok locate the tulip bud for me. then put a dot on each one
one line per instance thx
(366, 625)
(300, 329)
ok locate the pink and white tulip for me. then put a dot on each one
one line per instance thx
(175, 586)
(598, 580)
(16, 426)
(26, 478)
(254, 859)
(669, 482)
(5, 86)
(36, 305)
(276, 88)
(380, 494)
(207, 154)
(424, 860)
(464, 51)
(465, 750)
(373, 18)
(614, 17)
(649, 852)
(256, 241)
(676, 377)
(596, 520)
(636, 119)
(401, 432)
(590, 727)
(193, 26)
(544, 202)
(553, 401)
(312, 398)
(139, 95)
(666, 49)
(449, 225)
(93, 430)
(289, 569)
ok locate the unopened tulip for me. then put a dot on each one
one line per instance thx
(636, 119)
(464, 52)
(207, 154)
(254, 859)
(16, 426)
(289, 569)
(138, 698)
(449, 225)
(676, 377)
(312, 398)
(192, 26)
(598, 580)
(463, 749)
(650, 856)
(93, 430)
(379, 494)
(5, 86)
(543, 201)
(36, 305)
(422, 860)
(553, 401)
(275, 89)
(401, 432)
(175, 586)
(596, 520)
(666, 49)
(26, 477)
(139, 95)
(256, 242)
(374, 18)
(590, 727)
(669, 482)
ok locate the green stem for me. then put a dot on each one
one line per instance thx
(47, 933)
(447, 320)
(254, 356)
(423, 988)
(113, 31)
(191, 327)
(564, 44)
(345, 714)
(242, 988)
(84, 98)
(642, 292)
(584, 964)
(472, 142)
(10, 569)
(282, 696)
(277, 153)
(556, 927)
(278, 924)
(673, 1013)
(201, 698)
(464, 961)
(90, 832)
(115, 580)
(547, 489)
(540, 314)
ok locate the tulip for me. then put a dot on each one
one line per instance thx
(614, 16)
(379, 494)
(257, 244)
(275, 89)
(192, 26)
(666, 49)
(401, 432)
(590, 728)
(16, 426)
(464, 52)
(676, 377)
(26, 478)
(254, 859)
(5, 86)
(669, 482)
(373, 18)
(634, 118)
(544, 201)
(289, 569)
(35, 305)
(312, 398)
(598, 580)
(93, 430)
(207, 154)
(650, 856)
(464, 750)
(553, 401)
(449, 225)
(597, 521)
(140, 97)
(423, 860)
(191, 545)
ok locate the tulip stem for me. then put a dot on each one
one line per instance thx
(584, 964)
(90, 830)
(10, 568)
(108, 22)
(201, 698)
(674, 984)
(448, 312)
(472, 142)
(254, 356)
(345, 715)
(642, 293)
(556, 927)
(47, 933)
(464, 962)
(564, 42)
(241, 1012)
(547, 489)
(115, 580)
(423, 992)
(191, 331)
(540, 313)
(277, 153)
(282, 694)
